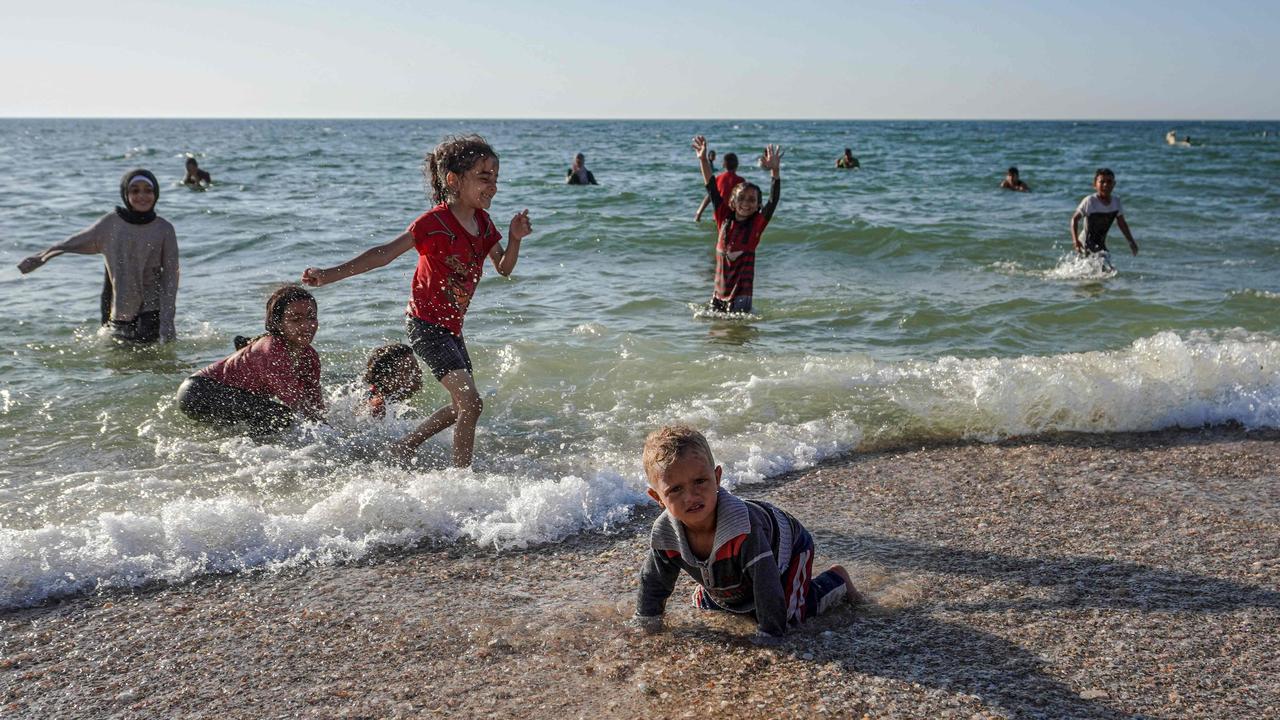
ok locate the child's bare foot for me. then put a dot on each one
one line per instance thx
(851, 593)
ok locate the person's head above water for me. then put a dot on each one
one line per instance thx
(1012, 172)
(462, 167)
(731, 162)
(192, 164)
(579, 160)
(1104, 181)
(292, 315)
(711, 155)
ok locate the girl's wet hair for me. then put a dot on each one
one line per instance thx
(381, 362)
(741, 188)
(455, 154)
(279, 302)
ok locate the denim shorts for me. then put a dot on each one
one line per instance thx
(440, 349)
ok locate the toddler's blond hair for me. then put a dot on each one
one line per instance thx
(666, 444)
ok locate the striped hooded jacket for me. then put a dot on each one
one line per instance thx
(743, 574)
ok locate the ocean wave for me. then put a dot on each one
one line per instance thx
(763, 420)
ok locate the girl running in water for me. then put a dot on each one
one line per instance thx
(452, 239)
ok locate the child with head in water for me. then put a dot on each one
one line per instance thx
(1098, 211)
(392, 375)
(269, 380)
(453, 239)
(140, 251)
(739, 229)
(747, 556)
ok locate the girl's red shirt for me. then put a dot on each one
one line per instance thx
(450, 263)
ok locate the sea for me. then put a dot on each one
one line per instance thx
(908, 302)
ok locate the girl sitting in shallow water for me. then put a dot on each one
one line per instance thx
(271, 379)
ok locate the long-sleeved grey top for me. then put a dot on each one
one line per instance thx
(142, 261)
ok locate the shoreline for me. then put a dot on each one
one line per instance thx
(1066, 575)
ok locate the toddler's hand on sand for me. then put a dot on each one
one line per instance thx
(646, 625)
(764, 639)
(520, 226)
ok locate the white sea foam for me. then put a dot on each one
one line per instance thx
(1075, 267)
(310, 498)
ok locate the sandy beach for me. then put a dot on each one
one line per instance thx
(1085, 576)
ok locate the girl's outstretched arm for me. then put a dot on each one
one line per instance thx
(504, 261)
(85, 242)
(374, 257)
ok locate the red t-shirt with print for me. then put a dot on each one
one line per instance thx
(450, 263)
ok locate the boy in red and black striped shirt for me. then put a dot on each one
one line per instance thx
(739, 230)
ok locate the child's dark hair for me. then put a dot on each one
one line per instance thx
(381, 360)
(731, 161)
(455, 154)
(1103, 172)
(741, 188)
(279, 302)
(1013, 170)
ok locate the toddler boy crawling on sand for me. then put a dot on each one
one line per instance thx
(746, 556)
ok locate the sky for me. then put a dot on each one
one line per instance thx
(932, 59)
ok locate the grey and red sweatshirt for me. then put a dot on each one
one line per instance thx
(743, 574)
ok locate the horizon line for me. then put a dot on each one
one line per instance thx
(626, 119)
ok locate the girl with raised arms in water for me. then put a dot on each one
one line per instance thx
(452, 239)
(140, 250)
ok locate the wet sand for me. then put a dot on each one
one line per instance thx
(1087, 576)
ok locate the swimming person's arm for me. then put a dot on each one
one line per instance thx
(1124, 228)
(702, 207)
(85, 242)
(371, 259)
(168, 285)
(504, 261)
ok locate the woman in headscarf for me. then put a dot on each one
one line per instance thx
(140, 249)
